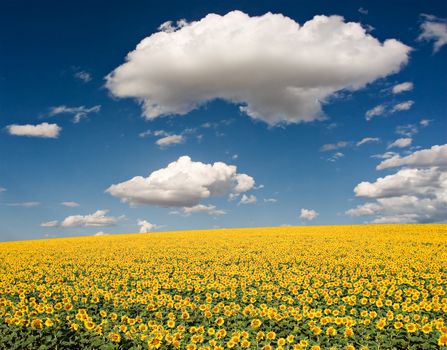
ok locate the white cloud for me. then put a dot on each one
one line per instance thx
(250, 199)
(385, 155)
(367, 140)
(201, 208)
(183, 183)
(43, 130)
(70, 204)
(77, 112)
(182, 67)
(402, 87)
(170, 140)
(374, 112)
(2, 189)
(336, 156)
(146, 226)
(97, 219)
(407, 130)
(334, 146)
(415, 193)
(53, 223)
(436, 156)
(404, 182)
(270, 200)
(403, 106)
(25, 204)
(308, 214)
(83, 75)
(401, 143)
(425, 122)
(101, 233)
(363, 11)
(434, 29)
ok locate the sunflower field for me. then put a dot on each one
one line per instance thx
(326, 287)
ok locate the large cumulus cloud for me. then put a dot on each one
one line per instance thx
(415, 193)
(183, 183)
(275, 69)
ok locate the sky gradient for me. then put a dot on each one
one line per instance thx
(311, 120)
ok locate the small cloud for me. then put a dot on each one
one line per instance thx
(407, 86)
(70, 204)
(2, 189)
(270, 200)
(367, 140)
(434, 29)
(363, 11)
(235, 156)
(425, 122)
(97, 219)
(201, 208)
(25, 204)
(401, 143)
(43, 130)
(386, 155)
(146, 226)
(78, 113)
(374, 112)
(52, 223)
(250, 199)
(83, 76)
(336, 156)
(308, 214)
(403, 106)
(170, 140)
(334, 146)
(407, 130)
(101, 233)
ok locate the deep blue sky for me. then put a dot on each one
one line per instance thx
(44, 44)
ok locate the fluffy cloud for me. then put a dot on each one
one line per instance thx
(404, 182)
(182, 67)
(101, 233)
(401, 143)
(2, 189)
(398, 88)
(97, 219)
(367, 140)
(201, 208)
(416, 193)
(434, 29)
(334, 146)
(70, 204)
(308, 214)
(183, 183)
(374, 112)
(78, 113)
(248, 199)
(43, 130)
(170, 140)
(436, 156)
(146, 226)
(403, 106)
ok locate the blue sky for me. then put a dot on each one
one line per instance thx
(68, 133)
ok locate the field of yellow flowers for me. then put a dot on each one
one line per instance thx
(326, 287)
